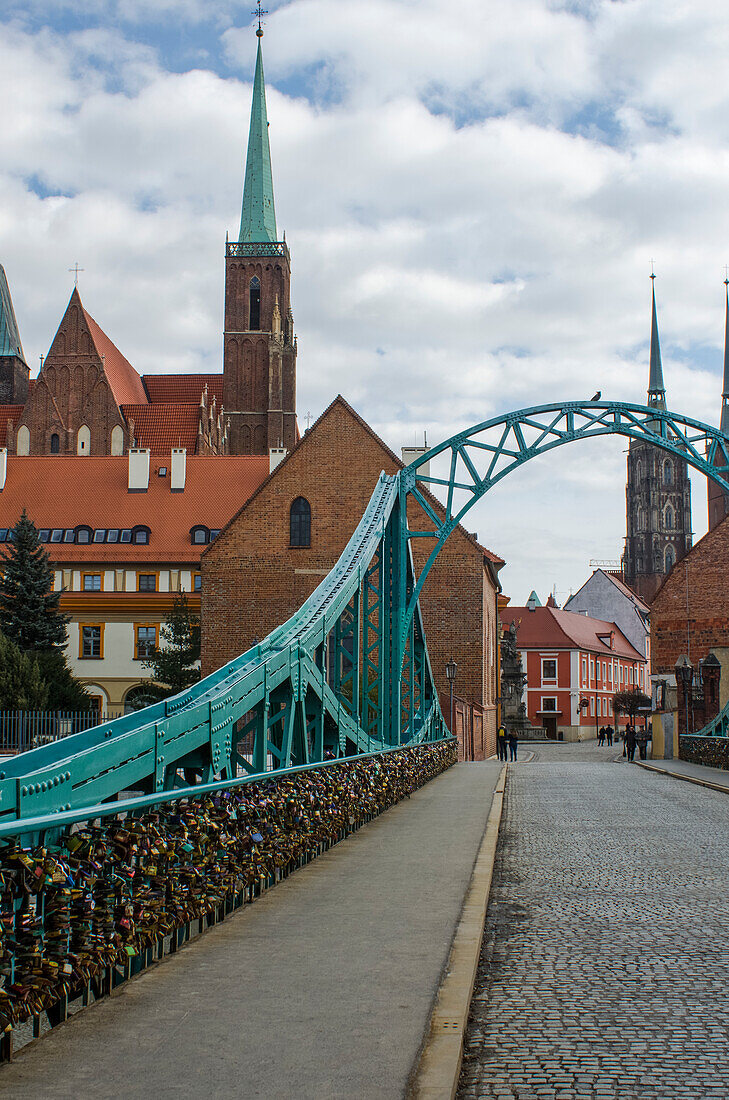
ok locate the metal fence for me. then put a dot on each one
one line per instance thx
(28, 729)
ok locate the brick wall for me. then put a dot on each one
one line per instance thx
(253, 579)
(701, 581)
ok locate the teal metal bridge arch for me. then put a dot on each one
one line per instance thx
(349, 673)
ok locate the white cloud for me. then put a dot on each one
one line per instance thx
(457, 251)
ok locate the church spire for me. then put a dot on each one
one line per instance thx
(9, 335)
(725, 389)
(258, 218)
(656, 389)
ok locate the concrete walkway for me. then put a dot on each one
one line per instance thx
(716, 778)
(323, 988)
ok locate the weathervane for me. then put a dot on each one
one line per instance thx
(259, 14)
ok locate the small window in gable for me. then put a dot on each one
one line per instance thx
(300, 523)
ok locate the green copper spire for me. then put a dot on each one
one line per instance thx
(9, 334)
(258, 219)
(656, 389)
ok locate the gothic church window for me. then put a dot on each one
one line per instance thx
(668, 472)
(669, 518)
(23, 440)
(670, 558)
(117, 440)
(254, 298)
(55, 444)
(300, 523)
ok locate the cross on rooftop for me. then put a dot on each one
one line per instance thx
(653, 274)
(259, 13)
(75, 270)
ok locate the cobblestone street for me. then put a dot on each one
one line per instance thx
(604, 965)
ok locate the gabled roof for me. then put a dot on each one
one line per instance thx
(495, 561)
(621, 586)
(9, 332)
(184, 388)
(61, 491)
(161, 427)
(550, 627)
(126, 384)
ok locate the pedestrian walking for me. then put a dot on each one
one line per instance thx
(630, 742)
(501, 742)
(609, 734)
(641, 738)
(601, 736)
(513, 744)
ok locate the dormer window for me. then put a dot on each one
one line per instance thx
(140, 536)
(199, 536)
(83, 535)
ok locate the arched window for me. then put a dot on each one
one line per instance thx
(140, 535)
(55, 444)
(668, 472)
(84, 441)
(300, 523)
(136, 698)
(669, 517)
(117, 440)
(83, 534)
(670, 558)
(254, 299)
(22, 444)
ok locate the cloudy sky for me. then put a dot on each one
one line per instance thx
(472, 194)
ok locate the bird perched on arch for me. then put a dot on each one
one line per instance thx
(597, 396)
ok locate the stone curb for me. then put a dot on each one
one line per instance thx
(686, 778)
(436, 1077)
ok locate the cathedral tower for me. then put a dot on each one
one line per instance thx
(658, 496)
(259, 347)
(719, 501)
(13, 368)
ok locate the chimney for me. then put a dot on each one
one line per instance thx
(138, 469)
(412, 454)
(3, 467)
(276, 455)
(178, 469)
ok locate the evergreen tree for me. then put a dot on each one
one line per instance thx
(29, 611)
(22, 686)
(64, 690)
(173, 666)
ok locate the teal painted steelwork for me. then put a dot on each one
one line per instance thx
(349, 673)
(297, 698)
(480, 457)
(717, 727)
(258, 216)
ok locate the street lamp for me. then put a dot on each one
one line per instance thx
(685, 675)
(451, 670)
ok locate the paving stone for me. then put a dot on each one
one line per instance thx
(605, 950)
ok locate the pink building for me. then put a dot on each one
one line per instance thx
(574, 665)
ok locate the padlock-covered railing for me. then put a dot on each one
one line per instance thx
(118, 889)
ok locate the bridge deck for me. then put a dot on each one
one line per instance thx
(321, 989)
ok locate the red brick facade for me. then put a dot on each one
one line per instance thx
(690, 612)
(253, 579)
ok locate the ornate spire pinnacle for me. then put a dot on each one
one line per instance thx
(725, 389)
(656, 389)
(258, 217)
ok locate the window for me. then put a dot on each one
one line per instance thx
(83, 535)
(669, 518)
(603, 672)
(146, 582)
(92, 637)
(3, 534)
(584, 670)
(549, 703)
(592, 706)
(214, 533)
(300, 523)
(136, 698)
(55, 444)
(69, 536)
(140, 536)
(145, 640)
(56, 535)
(630, 674)
(610, 708)
(668, 472)
(254, 298)
(549, 668)
(197, 582)
(100, 535)
(112, 536)
(199, 536)
(161, 471)
(44, 535)
(125, 535)
(670, 558)
(592, 669)
(92, 582)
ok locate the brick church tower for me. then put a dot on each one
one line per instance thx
(718, 500)
(259, 346)
(658, 497)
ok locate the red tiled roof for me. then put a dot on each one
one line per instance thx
(60, 491)
(183, 388)
(126, 384)
(548, 626)
(161, 427)
(8, 413)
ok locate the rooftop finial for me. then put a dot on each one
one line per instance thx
(259, 14)
(653, 274)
